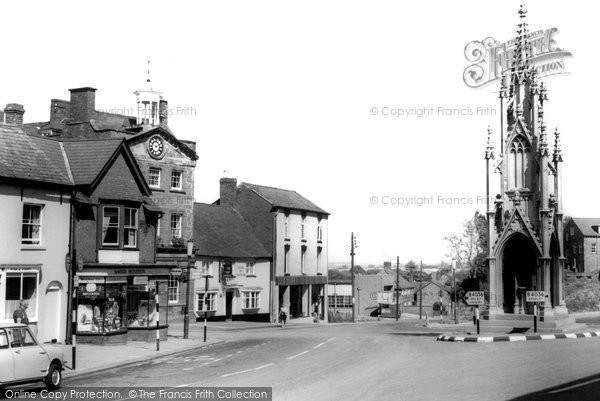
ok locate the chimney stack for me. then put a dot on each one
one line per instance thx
(13, 113)
(228, 188)
(83, 104)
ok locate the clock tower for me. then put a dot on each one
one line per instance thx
(151, 107)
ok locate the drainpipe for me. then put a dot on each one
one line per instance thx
(70, 287)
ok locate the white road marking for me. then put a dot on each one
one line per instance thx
(217, 360)
(239, 352)
(574, 386)
(182, 385)
(318, 345)
(229, 356)
(247, 370)
(297, 355)
(331, 339)
(187, 368)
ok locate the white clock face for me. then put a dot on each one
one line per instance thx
(155, 146)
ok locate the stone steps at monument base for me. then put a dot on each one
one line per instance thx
(529, 318)
(526, 327)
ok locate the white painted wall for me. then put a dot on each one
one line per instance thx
(49, 255)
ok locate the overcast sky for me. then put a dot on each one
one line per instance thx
(281, 93)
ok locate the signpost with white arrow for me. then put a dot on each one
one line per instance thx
(475, 298)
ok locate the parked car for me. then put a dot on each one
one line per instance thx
(24, 360)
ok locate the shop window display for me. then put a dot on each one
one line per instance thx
(100, 307)
(141, 305)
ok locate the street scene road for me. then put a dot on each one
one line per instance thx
(372, 361)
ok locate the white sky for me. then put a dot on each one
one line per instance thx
(282, 93)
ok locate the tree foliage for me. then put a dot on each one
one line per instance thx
(469, 248)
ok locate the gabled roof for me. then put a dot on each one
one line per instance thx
(585, 225)
(424, 284)
(284, 198)
(29, 157)
(518, 222)
(88, 158)
(166, 133)
(81, 163)
(220, 231)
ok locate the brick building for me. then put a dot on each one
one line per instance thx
(88, 228)
(294, 231)
(581, 245)
(167, 163)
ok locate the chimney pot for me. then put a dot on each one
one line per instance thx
(13, 113)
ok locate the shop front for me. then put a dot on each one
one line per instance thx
(117, 304)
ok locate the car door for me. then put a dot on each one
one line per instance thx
(7, 372)
(29, 359)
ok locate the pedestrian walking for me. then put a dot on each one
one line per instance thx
(20, 314)
(283, 312)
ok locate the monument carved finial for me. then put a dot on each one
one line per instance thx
(543, 144)
(557, 156)
(489, 149)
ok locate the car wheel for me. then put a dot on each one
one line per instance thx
(54, 377)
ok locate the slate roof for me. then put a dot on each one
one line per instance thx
(585, 225)
(220, 231)
(284, 198)
(88, 157)
(28, 157)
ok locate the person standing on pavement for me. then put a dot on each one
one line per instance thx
(20, 314)
(283, 312)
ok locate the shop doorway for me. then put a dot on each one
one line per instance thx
(228, 305)
(295, 301)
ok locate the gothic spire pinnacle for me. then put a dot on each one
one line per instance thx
(489, 149)
(557, 156)
(543, 93)
(543, 144)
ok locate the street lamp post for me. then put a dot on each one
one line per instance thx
(186, 316)
(454, 290)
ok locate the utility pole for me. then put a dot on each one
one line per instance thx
(421, 293)
(397, 285)
(454, 290)
(352, 246)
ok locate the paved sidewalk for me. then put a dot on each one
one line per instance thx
(96, 358)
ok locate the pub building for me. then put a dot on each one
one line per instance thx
(116, 277)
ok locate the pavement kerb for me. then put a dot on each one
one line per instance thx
(515, 338)
(68, 373)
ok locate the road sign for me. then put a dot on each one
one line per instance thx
(475, 298)
(536, 296)
(176, 272)
(196, 274)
